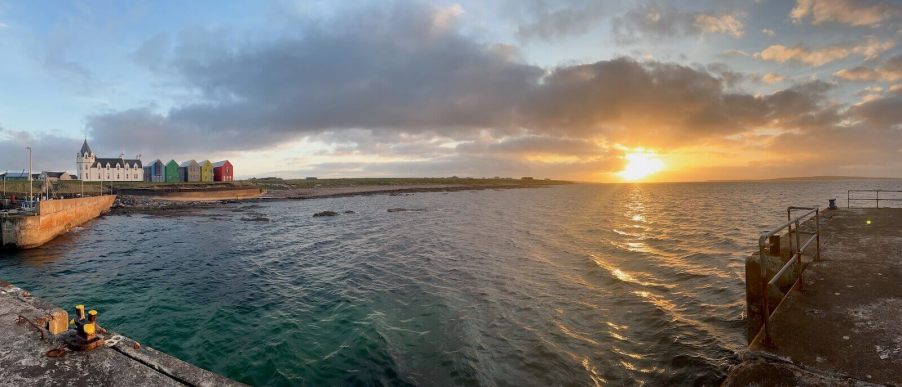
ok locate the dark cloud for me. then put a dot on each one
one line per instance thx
(890, 71)
(397, 67)
(880, 113)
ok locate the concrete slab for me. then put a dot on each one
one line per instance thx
(24, 360)
(848, 319)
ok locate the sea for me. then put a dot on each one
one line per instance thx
(584, 284)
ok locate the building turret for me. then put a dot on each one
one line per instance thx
(83, 160)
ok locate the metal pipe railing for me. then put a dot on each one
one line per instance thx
(796, 250)
(875, 199)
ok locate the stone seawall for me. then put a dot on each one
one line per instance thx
(197, 195)
(55, 217)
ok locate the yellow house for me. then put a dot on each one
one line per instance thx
(206, 171)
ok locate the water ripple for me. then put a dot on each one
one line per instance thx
(576, 285)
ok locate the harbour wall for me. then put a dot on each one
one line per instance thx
(54, 217)
(197, 195)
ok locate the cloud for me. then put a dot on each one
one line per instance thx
(49, 151)
(869, 13)
(549, 22)
(727, 24)
(771, 78)
(868, 48)
(653, 21)
(393, 82)
(890, 71)
(769, 32)
(734, 52)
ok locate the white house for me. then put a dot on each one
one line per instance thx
(92, 168)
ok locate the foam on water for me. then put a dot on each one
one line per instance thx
(584, 284)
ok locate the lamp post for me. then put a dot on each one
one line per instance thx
(30, 192)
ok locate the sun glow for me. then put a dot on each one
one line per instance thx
(640, 164)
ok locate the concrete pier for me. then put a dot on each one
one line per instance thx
(844, 326)
(52, 218)
(24, 360)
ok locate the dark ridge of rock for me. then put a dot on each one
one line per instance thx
(350, 212)
(406, 209)
(257, 218)
(325, 213)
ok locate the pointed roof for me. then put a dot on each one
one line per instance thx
(85, 149)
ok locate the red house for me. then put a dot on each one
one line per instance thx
(223, 171)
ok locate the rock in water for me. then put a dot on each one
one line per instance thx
(325, 213)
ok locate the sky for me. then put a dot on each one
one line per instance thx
(601, 91)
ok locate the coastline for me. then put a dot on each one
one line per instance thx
(155, 205)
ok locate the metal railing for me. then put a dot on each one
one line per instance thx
(797, 248)
(876, 199)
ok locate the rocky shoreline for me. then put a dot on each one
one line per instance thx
(135, 204)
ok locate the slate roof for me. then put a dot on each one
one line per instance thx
(15, 175)
(85, 148)
(113, 162)
(188, 163)
(220, 163)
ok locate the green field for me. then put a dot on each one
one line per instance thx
(276, 183)
(20, 188)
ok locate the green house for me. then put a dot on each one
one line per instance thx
(206, 170)
(172, 172)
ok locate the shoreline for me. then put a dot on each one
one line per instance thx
(154, 205)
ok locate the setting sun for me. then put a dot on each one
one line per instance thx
(640, 164)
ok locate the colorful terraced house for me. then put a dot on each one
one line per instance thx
(206, 171)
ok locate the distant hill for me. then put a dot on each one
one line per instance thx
(813, 178)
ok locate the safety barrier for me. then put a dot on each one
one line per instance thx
(796, 249)
(877, 199)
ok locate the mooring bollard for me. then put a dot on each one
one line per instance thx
(832, 205)
(85, 337)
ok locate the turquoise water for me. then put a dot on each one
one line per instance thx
(583, 284)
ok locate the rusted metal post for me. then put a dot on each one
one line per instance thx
(765, 308)
(789, 237)
(878, 198)
(817, 233)
(774, 242)
(848, 199)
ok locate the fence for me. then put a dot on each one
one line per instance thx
(797, 248)
(877, 199)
